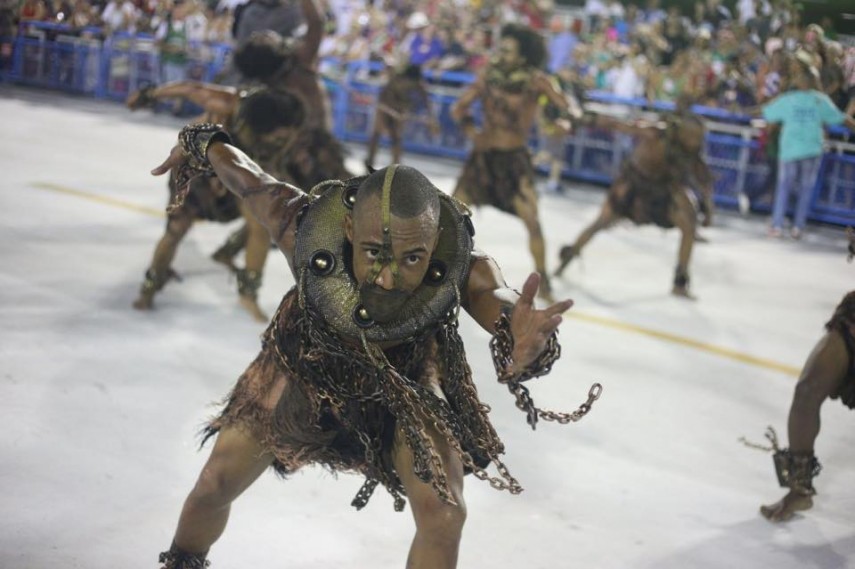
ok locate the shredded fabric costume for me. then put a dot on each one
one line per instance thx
(494, 177)
(400, 96)
(311, 398)
(644, 199)
(207, 200)
(335, 387)
(316, 156)
(843, 322)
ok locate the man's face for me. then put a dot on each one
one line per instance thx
(509, 52)
(413, 243)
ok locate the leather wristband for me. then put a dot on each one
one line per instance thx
(194, 140)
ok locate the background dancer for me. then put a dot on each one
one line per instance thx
(279, 64)
(829, 373)
(499, 170)
(267, 125)
(404, 94)
(653, 186)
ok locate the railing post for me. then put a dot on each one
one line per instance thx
(817, 186)
(742, 162)
(341, 100)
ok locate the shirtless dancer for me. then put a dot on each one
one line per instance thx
(499, 170)
(653, 186)
(829, 373)
(279, 64)
(404, 94)
(265, 124)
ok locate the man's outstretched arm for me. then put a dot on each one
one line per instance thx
(460, 109)
(217, 100)
(311, 42)
(274, 203)
(566, 103)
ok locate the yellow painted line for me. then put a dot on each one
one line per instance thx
(602, 321)
(99, 198)
(683, 341)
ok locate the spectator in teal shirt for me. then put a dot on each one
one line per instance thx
(802, 112)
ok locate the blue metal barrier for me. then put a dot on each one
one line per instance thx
(834, 195)
(357, 104)
(49, 56)
(57, 57)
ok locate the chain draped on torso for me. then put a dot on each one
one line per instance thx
(374, 399)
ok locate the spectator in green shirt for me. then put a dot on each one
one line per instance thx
(803, 113)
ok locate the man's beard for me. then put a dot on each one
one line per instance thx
(383, 305)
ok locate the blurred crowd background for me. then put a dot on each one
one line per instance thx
(730, 55)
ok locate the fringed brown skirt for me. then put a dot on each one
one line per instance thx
(494, 177)
(284, 413)
(318, 157)
(207, 200)
(641, 198)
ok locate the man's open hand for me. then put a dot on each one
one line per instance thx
(530, 327)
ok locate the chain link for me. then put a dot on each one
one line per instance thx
(771, 436)
(502, 349)
(367, 377)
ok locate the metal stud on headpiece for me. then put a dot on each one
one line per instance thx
(361, 317)
(322, 263)
(348, 196)
(435, 273)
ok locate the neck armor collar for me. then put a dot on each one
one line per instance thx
(326, 284)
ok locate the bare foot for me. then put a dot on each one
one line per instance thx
(784, 509)
(683, 292)
(144, 302)
(250, 304)
(566, 255)
(545, 290)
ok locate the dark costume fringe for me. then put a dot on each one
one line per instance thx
(317, 156)
(401, 96)
(843, 322)
(206, 199)
(494, 177)
(310, 397)
(644, 199)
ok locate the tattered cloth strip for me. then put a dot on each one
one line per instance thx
(344, 402)
(336, 404)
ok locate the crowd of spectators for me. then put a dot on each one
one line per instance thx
(205, 22)
(708, 54)
(712, 56)
(715, 57)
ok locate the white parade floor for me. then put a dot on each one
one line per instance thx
(101, 404)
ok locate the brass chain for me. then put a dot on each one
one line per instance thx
(502, 349)
(771, 436)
